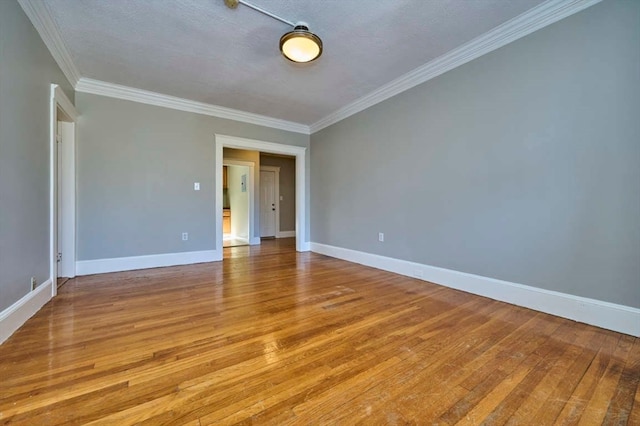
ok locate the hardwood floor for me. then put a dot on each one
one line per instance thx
(271, 336)
(234, 242)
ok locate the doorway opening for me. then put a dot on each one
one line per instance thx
(63, 192)
(299, 231)
(277, 196)
(64, 128)
(237, 200)
(269, 201)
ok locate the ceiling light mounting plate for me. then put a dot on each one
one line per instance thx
(232, 4)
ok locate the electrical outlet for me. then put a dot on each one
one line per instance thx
(196, 186)
(185, 236)
(34, 283)
(381, 236)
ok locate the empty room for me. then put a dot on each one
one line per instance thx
(319, 212)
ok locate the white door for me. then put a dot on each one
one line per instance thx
(267, 204)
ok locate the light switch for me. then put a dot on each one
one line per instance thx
(196, 186)
(281, 198)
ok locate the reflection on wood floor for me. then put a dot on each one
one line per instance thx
(229, 241)
(271, 336)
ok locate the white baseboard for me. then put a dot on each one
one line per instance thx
(255, 241)
(620, 318)
(100, 266)
(17, 314)
(286, 234)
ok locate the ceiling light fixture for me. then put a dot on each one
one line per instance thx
(299, 45)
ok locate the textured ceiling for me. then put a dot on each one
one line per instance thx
(203, 51)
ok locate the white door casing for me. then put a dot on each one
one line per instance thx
(63, 117)
(222, 141)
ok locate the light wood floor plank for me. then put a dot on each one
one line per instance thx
(271, 336)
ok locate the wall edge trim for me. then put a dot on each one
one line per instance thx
(119, 264)
(286, 234)
(530, 21)
(103, 88)
(611, 316)
(14, 317)
(40, 18)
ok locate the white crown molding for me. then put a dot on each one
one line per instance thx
(97, 87)
(620, 318)
(40, 17)
(534, 19)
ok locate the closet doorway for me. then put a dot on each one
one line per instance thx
(237, 200)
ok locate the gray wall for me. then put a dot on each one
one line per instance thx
(26, 72)
(136, 167)
(287, 188)
(522, 165)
